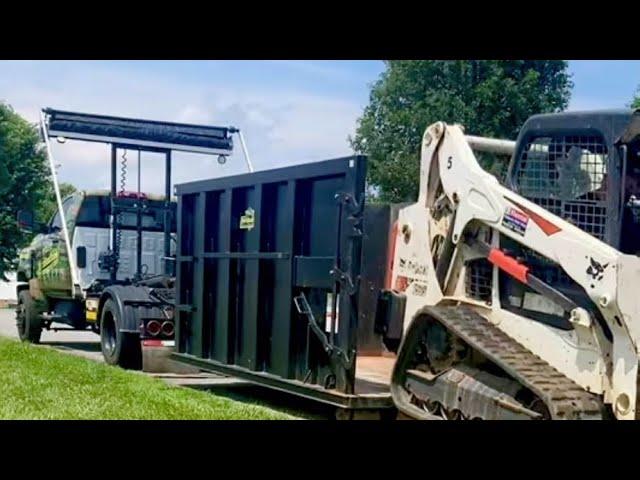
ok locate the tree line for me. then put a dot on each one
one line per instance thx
(24, 183)
(491, 98)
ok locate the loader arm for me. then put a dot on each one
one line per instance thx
(457, 198)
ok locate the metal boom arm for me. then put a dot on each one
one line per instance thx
(75, 285)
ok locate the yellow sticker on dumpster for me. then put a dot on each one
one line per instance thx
(248, 220)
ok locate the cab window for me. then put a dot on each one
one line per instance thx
(55, 222)
(95, 211)
(70, 207)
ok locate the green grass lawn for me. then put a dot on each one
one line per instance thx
(41, 383)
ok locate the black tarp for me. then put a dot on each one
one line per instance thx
(135, 132)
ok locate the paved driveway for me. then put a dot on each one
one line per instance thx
(82, 343)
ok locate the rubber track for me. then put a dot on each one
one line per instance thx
(563, 397)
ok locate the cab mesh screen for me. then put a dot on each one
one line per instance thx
(567, 175)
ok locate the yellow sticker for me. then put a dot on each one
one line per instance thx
(50, 261)
(248, 220)
(91, 316)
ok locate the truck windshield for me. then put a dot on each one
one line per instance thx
(95, 212)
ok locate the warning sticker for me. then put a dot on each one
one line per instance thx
(515, 220)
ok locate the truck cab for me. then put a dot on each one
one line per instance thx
(44, 269)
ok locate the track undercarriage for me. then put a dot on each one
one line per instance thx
(455, 364)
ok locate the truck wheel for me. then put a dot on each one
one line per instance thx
(27, 318)
(118, 348)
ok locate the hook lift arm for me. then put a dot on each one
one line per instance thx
(245, 152)
(75, 285)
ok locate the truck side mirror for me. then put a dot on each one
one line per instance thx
(26, 220)
(81, 257)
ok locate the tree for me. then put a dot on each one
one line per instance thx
(24, 172)
(635, 103)
(490, 98)
(4, 177)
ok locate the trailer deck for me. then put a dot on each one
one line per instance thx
(371, 389)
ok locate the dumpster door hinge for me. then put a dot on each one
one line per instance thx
(337, 356)
(347, 199)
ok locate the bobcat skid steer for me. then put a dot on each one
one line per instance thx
(521, 302)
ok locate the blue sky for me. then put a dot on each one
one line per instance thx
(291, 111)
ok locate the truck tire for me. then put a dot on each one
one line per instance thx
(118, 348)
(28, 319)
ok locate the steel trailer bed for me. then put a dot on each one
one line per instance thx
(271, 284)
(371, 392)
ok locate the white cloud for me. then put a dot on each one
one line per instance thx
(314, 128)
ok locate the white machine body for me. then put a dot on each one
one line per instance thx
(450, 173)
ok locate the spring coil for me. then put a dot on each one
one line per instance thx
(123, 172)
(123, 184)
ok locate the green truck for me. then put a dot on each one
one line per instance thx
(45, 295)
(106, 260)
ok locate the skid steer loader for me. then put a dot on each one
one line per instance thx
(519, 301)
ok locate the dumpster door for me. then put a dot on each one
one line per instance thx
(267, 273)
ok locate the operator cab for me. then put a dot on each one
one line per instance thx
(585, 168)
(577, 165)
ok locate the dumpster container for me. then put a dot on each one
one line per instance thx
(268, 281)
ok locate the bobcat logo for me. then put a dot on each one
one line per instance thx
(596, 269)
